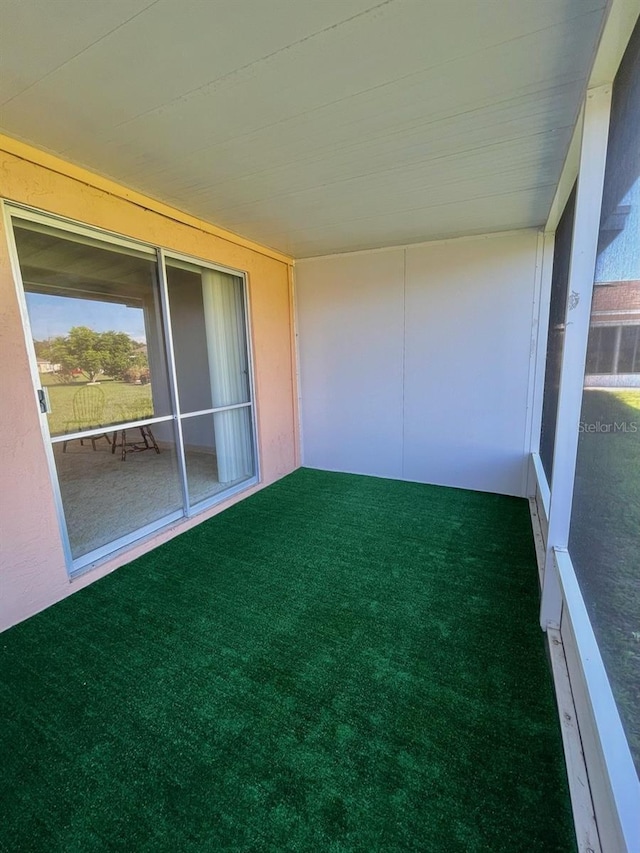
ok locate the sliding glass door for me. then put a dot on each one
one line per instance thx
(142, 371)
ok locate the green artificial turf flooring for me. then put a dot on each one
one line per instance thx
(338, 663)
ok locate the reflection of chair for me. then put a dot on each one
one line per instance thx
(88, 409)
(147, 442)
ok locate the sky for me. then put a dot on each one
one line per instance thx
(620, 260)
(51, 316)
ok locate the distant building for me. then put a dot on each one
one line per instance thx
(45, 366)
(613, 355)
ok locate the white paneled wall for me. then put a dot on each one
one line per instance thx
(351, 338)
(414, 362)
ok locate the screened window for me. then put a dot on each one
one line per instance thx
(555, 339)
(605, 525)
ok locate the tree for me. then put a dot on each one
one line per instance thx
(117, 350)
(41, 348)
(93, 352)
(77, 351)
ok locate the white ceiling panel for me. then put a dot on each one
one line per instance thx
(37, 37)
(313, 127)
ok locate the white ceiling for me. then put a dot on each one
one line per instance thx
(312, 126)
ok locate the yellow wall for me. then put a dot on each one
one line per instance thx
(32, 568)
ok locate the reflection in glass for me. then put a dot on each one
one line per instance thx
(94, 312)
(105, 498)
(209, 336)
(218, 452)
(95, 319)
(605, 523)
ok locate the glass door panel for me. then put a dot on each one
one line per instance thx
(95, 318)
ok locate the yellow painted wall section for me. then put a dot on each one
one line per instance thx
(32, 568)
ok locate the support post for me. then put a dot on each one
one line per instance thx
(584, 245)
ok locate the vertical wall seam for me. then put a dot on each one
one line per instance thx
(404, 358)
(296, 388)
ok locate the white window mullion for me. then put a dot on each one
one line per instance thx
(580, 289)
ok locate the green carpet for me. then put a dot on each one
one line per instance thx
(338, 663)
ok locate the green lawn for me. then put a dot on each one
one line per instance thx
(121, 402)
(630, 398)
(604, 540)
